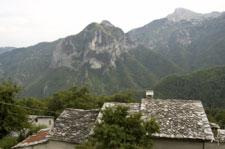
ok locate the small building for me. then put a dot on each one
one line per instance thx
(47, 121)
(72, 127)
(42, 120)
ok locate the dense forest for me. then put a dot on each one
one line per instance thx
(207, 85)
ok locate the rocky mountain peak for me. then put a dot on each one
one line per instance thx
(185, 14)
(88, 47)
(105, 27)
(107, 23)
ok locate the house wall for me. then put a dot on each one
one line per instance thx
(52, 145)
(38, 146)
(44, 121)
(176, 144)
(214, 145)
(185, 144)
(60, 145)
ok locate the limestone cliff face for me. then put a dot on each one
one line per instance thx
(98, 45)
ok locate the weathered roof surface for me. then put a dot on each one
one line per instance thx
(221, 135)
(73, 125)
(184, 119)
(134, 107)
(38, 138)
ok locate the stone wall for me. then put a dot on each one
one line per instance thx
(52, 145)
(185, 144)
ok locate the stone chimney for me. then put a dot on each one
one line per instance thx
(149, 94)
(214, 128)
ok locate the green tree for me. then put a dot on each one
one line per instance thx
(12, 117)
(126, 97)
(77, 98)
(119, 129)
(33, 106)
(8, 143)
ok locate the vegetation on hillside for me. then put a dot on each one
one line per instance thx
(189, 44)
(47, 68)
(206, 85)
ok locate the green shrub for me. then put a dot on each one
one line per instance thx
(7, 143)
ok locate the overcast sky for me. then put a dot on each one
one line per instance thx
(27, 22)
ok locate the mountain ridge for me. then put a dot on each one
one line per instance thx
(180, 41)
(109, 60)
(101, 55)
(180, 14)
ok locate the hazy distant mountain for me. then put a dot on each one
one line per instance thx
(101, 55)
(5, 49)
(181, 14)
(191, 40)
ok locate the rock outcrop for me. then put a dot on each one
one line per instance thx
(84, 48)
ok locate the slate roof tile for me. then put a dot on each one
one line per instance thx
(73, 125)
(221, 135)
(178, 118)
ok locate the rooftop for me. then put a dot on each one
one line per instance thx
(38, 138)
(73, 125)
(184, 119)
(221, 135)
(134, 107)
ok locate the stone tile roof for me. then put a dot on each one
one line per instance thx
(73, 125)
(134, 107)
(38, 138)
(183, 119)
(221, 135)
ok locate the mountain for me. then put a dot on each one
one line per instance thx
(5, 49)
(101, 55)
(207, 85)
(191, 40)
(182, 14)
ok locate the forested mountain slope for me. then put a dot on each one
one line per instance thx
(101, 55)
(207, 85)
(189, 39)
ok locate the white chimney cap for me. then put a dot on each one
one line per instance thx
(149, 92)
